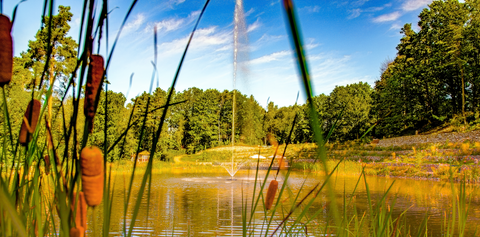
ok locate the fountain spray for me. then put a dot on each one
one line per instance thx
(239, 49)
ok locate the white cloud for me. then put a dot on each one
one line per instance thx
(254, 26)
(208, 36)
(310, 44)
(271, 57)
(388, 17)
(354, 13)
(412, 5)
(204, 38)
(329, 71)
(169, 25)
(264, 40)
(135, 24)
(172, 24)
(179, 2)
(396, 26)
(374, 9)
(359, 3)
(249, 12)
(311, 9)
(224, 48)
(269, 38)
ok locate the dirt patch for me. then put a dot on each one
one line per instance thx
(432, 138)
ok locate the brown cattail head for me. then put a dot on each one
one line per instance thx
(31, 117)
(77, 231)
(81, 211)
(6, 50)
(94, 79)
(272, 190)
(91, 162)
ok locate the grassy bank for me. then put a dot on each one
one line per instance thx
(421, 161)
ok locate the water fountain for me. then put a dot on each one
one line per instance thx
(239, 58)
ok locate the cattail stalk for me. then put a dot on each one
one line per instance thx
(91, 162)
(94, 79)
(30, 120)
(81, 210)
(272, 190)
(6, 50)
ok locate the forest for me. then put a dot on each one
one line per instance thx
(433, 80)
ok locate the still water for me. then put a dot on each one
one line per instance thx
(185, 203)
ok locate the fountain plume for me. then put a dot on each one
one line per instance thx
(240, 58)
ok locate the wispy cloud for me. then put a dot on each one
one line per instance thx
(396, 26)
(176, 2)
(387, 17)
(264, 40)
(172, 24)
(311, 9)
(249, 12)
(254, 26)
(412, 5)
(311, 44)
(135, 24)
(330, 71)
(354, 13)
(359, 3)
(270, 57)
(205, 38)
(169, 25)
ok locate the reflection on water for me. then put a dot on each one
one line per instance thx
(208, 204)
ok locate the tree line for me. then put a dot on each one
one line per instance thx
(434, 77)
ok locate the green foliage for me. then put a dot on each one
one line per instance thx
(435, 74)
(63, 57)
(114, 119)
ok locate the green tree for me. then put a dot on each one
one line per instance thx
(110, 114)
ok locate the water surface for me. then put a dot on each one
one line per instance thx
(208, 204)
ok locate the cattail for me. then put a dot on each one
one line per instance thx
(81, 211)
(77, 231)
(272, 190)
(94, 79)
(30, 120)
(91, 162)
(6, 50)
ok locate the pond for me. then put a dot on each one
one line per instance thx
(208, 204)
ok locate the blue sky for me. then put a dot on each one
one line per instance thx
(346, 42)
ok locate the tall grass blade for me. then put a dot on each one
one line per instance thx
(305, 209)
(6, 205)
(302, 66)
(14, 14)
(50, 46)
(7, 125)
